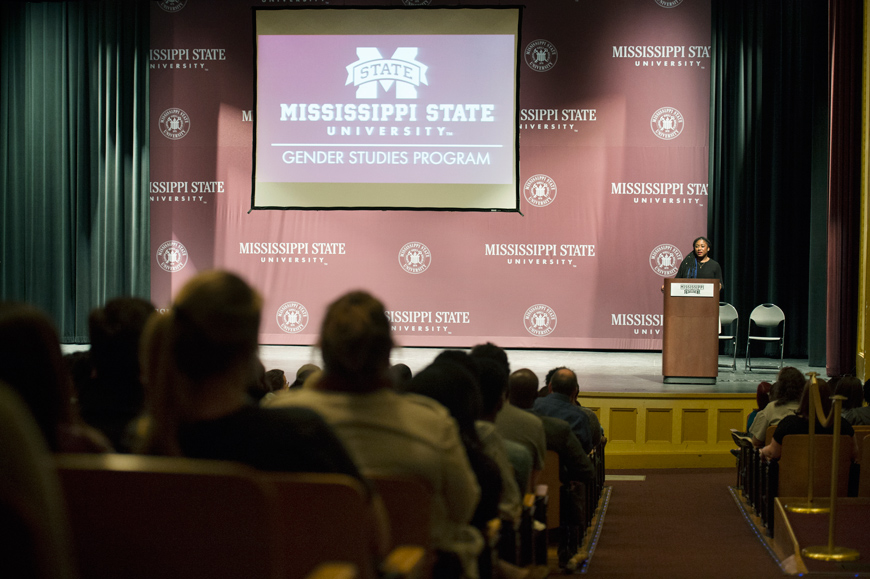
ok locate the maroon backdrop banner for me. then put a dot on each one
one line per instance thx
(614, 99)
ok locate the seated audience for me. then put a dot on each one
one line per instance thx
(762, 398)
(860, 415)
(798, 423)
(113, 398)
(304, 373)
(386, 431)
(560, 403)
(198, 360)
(848, 387)
(574, 463)
(456, 389)
(513, 424)
(274, 381)
(595, 429)
(401, 375)
(785, 399)
(31, 363)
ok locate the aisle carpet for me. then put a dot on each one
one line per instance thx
(677, 523)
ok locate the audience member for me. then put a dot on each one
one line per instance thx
(401, 376)
(762, 398)
(456, 389)
(386, 431)
(198, 360)
(31, 363)
(799, 423)
(513, 424)
(860, 415)
(113, 398)
(257, 388)
(274, 382)
(597, 432)
(850, 388)
(785, 395)
(559, 403)
(574, 463)
(303, 373)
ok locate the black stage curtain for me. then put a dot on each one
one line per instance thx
(767, 216)
(844, 203)
(74, 214)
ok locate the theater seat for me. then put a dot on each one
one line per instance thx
(173, 518)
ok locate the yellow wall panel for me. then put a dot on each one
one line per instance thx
(694, 425)
(623, 425)
(659, 425)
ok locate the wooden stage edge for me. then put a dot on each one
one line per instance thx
(669, 430)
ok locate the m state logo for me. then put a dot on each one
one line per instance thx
(172, 256)
(172, 5)
(539, 190)
(174, 124)
(669, 3)
(665, 260)
(667, 123)
(541, 55)
(540, 320)
(372, 70)
(415, 257)
(292, 317)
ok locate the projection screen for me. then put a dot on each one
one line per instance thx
(386, 108)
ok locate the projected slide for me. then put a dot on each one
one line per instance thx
(421, 120)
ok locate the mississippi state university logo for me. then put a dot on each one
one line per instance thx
(415, 257)
(174, 124)
(665, 260)
(172, 256)
(172, 5)
(292, 317)
(667, 123)
(540, 320)
(669, 3)
(371, 70)
(539, 190)
(541, 55)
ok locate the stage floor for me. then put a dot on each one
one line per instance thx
(596, 371)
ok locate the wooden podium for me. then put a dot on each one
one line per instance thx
(690, 342)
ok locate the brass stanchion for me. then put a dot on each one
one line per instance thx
(809, 506)
(830, 552)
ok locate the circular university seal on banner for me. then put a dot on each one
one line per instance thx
(172, 256)
(667, 123)
(292, 317)
(174, 124)
(540, 320)
(172, 5)
(669, 3)
(415, 257)
(539, 190)
(541, 55)
(665, 260)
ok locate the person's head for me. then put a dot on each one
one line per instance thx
(276, 380)
(454, 387)
(806, 399)
(400, 374)
(206, 345)
(355, 341)
(522, 388)
(762, 394)
(215, 323)
(114, 331)
(493, 352)
(303, 373)
(493, 382)
(31, 363)
(257, 387)
(850, 387)
(564, 381)
(701, 247)
(460, 358)
(789, 386)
